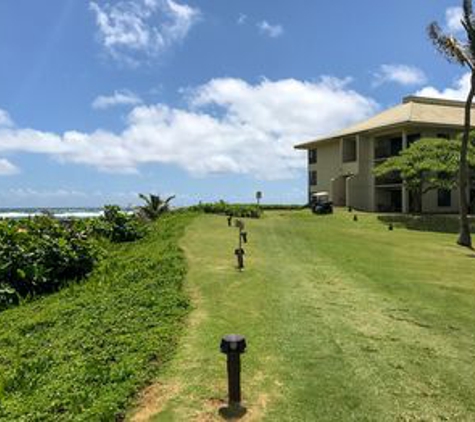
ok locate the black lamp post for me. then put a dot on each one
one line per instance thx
(230, 220)
(239, 252)
(240, 257)
(233, 346)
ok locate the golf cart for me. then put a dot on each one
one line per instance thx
(321, 203)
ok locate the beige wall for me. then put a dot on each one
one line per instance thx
(328, 165)
(359, 186)
(429, 203)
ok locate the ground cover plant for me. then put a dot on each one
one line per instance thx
(345, 321)
(83, 353)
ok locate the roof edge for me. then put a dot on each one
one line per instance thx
(433, 101)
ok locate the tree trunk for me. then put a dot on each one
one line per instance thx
(464, 235)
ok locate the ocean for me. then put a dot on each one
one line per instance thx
(56, 212)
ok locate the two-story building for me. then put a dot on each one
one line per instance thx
(342, 164)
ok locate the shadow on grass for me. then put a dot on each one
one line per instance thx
(232, 412)
(427, 223)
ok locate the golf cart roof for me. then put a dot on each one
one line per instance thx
(320, 194)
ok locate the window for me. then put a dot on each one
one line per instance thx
(312, 156)
(444, 198)
(312, 176)
(349, 150)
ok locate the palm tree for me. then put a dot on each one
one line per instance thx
(154, 206)
(462, 53)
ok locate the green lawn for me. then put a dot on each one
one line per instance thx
(345, 321)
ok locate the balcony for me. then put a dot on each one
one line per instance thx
(387, 147)
(393, 178)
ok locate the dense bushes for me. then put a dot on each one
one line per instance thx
(236, 210)
(41, 254)
(38, 255)
(118, 226)
(282, 207)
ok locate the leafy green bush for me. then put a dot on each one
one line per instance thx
(236, 210)
(39, 255)
(118, 226)
(282, 207)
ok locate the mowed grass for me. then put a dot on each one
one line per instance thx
(84, 353)
(345, 321)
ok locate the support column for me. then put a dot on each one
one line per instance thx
(404, 193)
(372, 188)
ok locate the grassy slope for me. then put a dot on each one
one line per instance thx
(81, 354)
(344, 321)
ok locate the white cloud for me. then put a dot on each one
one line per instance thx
(453, 19)
(273, 31)
(118, 98)
(230, 126)
(130, 28)
(5, 119)
(242, 19)
(458, 91)
(7, 168)
(400, 74)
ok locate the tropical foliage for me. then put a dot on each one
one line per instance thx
(462, 53)
(154, 206)
(235, 210)
(119, 226)
(428, 164)
(39, 255)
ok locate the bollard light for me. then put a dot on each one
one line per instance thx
(244, 236)
(239, 224)
(350, 209)
(355, 218)
(233, 345)
(391, 227)
(239, 252)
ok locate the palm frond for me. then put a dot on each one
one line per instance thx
(453, 50)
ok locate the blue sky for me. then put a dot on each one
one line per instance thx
(100, 100)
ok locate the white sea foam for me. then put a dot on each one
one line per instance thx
(58, 213)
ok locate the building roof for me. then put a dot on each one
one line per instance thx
(416, 110)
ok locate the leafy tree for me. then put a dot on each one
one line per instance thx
(154, 206)
(462, 53)
(428, 164)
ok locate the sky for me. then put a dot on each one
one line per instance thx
(202, 99)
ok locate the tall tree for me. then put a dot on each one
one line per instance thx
(463, 53)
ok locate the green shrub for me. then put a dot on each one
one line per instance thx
(235, 210)
(282, 207)
(118, 226)
(39, 255)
